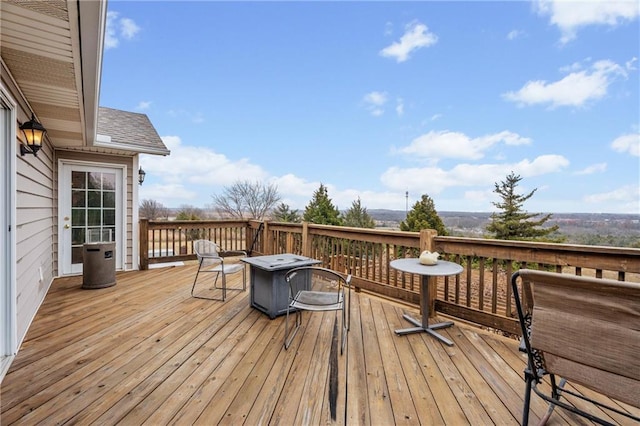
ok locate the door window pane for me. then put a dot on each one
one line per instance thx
(109, 200)
(76, 254)
(109, 181)
(78, 198)
(78, 180)
(77, 236)
(94, 199)
(94, 217)
(95, 180)
(78, 217)
(108, 217)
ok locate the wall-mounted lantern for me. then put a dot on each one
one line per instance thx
(34, 135)
(141, 176)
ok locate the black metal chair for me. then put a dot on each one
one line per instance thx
(580, 329)
(317, 289)
(212, 259)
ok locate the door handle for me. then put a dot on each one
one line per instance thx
(66, 226)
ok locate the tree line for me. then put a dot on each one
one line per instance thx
(254, 200)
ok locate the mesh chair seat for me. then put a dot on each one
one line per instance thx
(318, 301)
(226, 269)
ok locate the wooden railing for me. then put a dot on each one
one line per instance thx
(163, 241)
(481, 294)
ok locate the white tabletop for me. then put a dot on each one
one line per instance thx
(413, 266)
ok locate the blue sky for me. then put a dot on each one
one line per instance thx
(374, 99)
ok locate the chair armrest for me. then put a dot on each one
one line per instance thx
(232, 253)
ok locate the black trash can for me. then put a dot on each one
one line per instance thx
(98, 265)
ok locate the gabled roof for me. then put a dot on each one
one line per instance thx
(128, 131)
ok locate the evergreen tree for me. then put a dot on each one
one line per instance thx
(282, 213)
(358, 217)
(423, 215)
(188, 212)
(321, 210)
(512, 222)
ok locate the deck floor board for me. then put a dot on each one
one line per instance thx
(145, 352)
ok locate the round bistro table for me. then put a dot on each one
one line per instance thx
(440, 269)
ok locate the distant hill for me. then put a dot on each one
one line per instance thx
(579, 228)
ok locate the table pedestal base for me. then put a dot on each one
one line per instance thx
(428, 329)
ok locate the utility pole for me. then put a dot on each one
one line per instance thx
(406, 208)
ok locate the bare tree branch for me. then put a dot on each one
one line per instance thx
(246, 200)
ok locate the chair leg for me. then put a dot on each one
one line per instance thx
(224, 286)
(345, 331)
(527, 399)
(196, 279)
(289, 338)
(214, 286)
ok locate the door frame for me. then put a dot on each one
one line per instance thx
(8, 285)
(120, 238)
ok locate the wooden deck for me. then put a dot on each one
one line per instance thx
(145, 352)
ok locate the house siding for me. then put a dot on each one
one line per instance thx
(36, 230)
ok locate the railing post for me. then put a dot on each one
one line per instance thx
(426, 239)
(144, 244)
(427, 243)
(248, 236)
(267, 239)
(306, 249)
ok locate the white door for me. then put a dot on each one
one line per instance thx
(91, 206)
(7, 239)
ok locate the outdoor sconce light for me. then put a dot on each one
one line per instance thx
(34, 134)
(141, 175)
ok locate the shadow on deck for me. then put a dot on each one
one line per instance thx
(144, 351)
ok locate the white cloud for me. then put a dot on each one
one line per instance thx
(435, 117)
(128, 28)
(118, 28)
(374, 102)
(627, 143)
(594, 168)
(433, 180)
(570, 16)
(576, 89)
(416, 36)
(142, 105)
(447, 144)
(191, 165)
(626, 198)
(514, 34)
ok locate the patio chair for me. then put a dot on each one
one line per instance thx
(212, 259)
(317, 289)
(584, 330)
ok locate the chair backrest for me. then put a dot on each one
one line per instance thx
(588, 330)
(205, 249)
(320, 279)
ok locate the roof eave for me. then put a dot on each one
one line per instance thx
(92, 23)
(130, 148)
